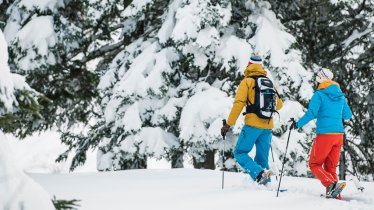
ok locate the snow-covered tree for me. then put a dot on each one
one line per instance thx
(339, 35)
(164, 74)
(17, 190)
(60, 60)
(179, 74)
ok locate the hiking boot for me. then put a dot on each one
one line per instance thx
(264, 177)
(334, 190)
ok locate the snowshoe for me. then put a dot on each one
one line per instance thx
(264, 177)
(334, 190)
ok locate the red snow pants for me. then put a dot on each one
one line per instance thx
(324, 157)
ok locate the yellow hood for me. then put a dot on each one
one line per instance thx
(254, 70)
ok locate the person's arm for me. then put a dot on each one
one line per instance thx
(347, 112)
(239, 102)
(312, 112)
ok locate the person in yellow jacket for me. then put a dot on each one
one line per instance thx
(256, 131)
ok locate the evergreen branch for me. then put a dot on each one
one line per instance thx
(97, 36)
(364, 153)
(65, 204)
(103, 50)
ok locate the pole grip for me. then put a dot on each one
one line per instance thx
(224, 122)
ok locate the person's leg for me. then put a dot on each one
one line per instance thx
(320, 150)
(246, 141)
(333, 157)
(262, 148)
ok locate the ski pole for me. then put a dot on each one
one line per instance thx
(284, 158)
(355, 179)
(223, 156)
(357, 183)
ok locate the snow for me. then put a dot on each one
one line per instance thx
(10, 30)
(234, 47)
(167, 27)
(31, 34)
(357, 35)
(7, 97)
(339, 1)
(38, 153)
(186, 189)
(270, 36)
(182, 188)
(137, 88)
(206, 108)
(110, 110)
(9, 82)
(17, 189)
(207, 37)
(136, 96)
(149, 141)
(104, 160)
(162, 65)
(191, 17)
(131, 119)
(291, 109)
(153, 141)
(36, 42)
(133, 82)
(135, 7)
(187, 24)
(41, 5)
(168, 111)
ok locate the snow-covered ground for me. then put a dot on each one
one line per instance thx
(192, 189)
(162, 188)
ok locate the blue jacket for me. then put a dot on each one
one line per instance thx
(330, 107)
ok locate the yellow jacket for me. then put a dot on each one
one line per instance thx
(245, 91)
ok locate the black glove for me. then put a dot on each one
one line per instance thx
(224, 129)
(293, 125)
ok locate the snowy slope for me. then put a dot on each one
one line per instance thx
(191, 189)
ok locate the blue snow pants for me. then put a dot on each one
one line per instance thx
(250, 136)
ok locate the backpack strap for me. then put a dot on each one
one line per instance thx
(272, 115)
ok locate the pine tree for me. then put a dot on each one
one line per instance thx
(163, 68)
(111, 131)
(338, 35)
(178, 73)
(60, 61)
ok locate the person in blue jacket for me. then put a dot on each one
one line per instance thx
(329, 106)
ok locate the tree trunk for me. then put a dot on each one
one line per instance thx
(342, 166)
(177, 159)
(208, 162)
(136, 163)
(342, 162)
